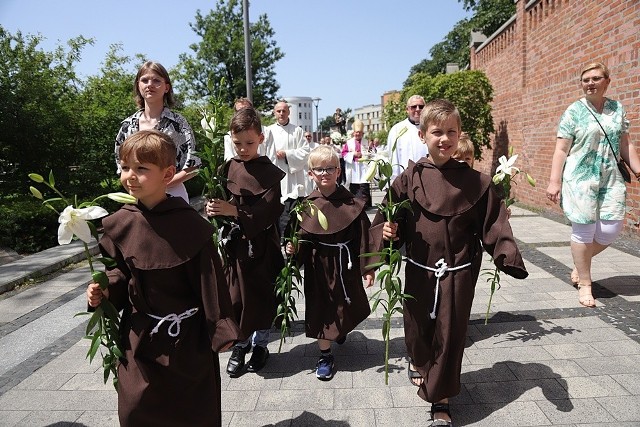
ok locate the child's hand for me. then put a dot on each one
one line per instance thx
(368, 277)
(289, 249)
(217, 207)
(390, 231)
(95, 294)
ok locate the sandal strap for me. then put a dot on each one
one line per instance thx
(440, 407)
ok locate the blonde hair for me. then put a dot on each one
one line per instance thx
(465, 146)
(323, 153)
(149, 146)
(595, 66)
(437, 111)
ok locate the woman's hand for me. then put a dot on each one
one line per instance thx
(390, 231)
(553, 191)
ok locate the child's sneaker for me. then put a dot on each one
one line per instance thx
(324, 367)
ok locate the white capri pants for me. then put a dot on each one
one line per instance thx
(602, 231)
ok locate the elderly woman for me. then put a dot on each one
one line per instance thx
(592, 134)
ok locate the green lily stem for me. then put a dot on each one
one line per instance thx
(88, 255)
(285, 315)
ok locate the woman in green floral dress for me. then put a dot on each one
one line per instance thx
(585, 173)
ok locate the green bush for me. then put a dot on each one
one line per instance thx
(27, 226)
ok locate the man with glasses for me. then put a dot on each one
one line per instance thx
(409, 146)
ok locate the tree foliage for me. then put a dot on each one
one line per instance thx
(470, 91)
(220, 54)
(39, 92)
(489, 15)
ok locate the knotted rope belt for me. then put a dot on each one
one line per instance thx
(349, 264)
(441, 269)
(174, 327)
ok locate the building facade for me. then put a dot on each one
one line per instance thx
(371, 116)
(533, 64)
(301, 111)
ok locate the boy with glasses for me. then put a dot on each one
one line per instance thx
(335, 300)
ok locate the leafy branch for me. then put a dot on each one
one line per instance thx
(390, 295)
(504, 177)
(104, 325)
(290, 278)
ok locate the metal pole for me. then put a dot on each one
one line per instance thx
(247, 49)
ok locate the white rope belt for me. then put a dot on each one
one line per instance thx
(174, 328)
(349, 264)
(441, 269)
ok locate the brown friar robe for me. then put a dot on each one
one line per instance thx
(166, 265)
(328, 281)
(454, 209)
(254, 254)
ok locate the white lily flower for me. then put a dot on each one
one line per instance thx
(208, 125)
(74, 222)
(374, 161)
(505, 168)
(122, 198)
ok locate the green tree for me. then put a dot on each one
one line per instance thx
(38, 112)
(489, 15)
(220, 54)
(106, 100)
(470, 91)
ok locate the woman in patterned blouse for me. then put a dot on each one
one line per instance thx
(154, 97)
(592, 134)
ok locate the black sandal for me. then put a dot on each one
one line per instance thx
(412, 374)
(440, 407)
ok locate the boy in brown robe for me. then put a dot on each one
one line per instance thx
(168, 280)
(335, 301)
(253, 245)
(454, 208)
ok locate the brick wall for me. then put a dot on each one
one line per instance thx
(533, 63)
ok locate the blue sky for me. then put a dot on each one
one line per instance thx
(347, 52)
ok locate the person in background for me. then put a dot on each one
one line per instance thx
(252, 243)
(354, 150)
(335, 300)
(404, 135)
(465, 150)
(169, 282)
(454, 209)
(340, 121)
(229, 148)
(154, 96)
(593, 133)
(287, 149)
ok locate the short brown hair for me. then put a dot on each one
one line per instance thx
(437, 111)
(150, 146)
(157, 68)
(246, 119)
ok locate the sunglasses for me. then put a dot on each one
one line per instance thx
(419, 106)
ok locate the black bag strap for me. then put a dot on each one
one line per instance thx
(605, 132)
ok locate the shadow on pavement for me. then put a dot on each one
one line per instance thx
(490, 397)
(309, 419)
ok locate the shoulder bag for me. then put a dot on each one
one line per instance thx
(622, 166)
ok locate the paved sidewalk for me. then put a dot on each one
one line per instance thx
(541, 360)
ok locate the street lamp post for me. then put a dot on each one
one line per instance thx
(316, 102)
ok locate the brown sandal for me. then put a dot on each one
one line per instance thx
(585, 298)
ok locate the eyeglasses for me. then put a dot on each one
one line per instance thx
(419, 106)
(595, 79)
(320, 171)
(152, 82)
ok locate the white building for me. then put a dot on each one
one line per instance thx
(371, 116)
(301, 111)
